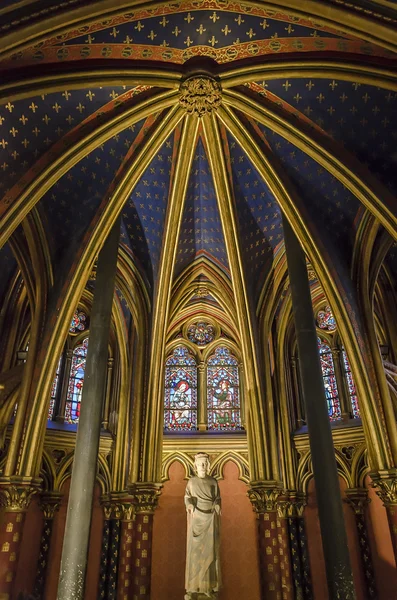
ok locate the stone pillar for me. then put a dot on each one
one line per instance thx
(145, 497)
(386, 484)
(264, 501)
(15, 496)
(298, 544)
(111, 534)
(78, 520)
(126, 557)
(333, 533)
(358, 500)
(49, 504)
(287, 588)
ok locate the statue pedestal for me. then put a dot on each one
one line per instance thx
(199, 596)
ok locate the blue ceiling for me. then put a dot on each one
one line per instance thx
(329, 205)
(30, 127)
(258, 214)
(362, 117)
(201, 229)
(144, 212)
(68, 208)
(182, 30)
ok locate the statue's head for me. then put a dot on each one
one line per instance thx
(202, 464)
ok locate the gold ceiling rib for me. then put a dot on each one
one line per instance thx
(265, 163)
(342, 165)
(344, 17)
(57, 80)
(29, 196)
(262, 446)
(55, 334)
(152, 444)
(307, 67)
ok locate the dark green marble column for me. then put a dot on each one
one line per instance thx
(78, 521)
(333, 533)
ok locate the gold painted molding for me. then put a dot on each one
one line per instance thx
(346, 18)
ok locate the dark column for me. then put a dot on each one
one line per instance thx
(358, 500)
(333, 533)
(264, 502)
(49, 504)
(299, 552)
(78, 520)
(109, 565)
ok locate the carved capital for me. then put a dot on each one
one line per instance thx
(50, 503)
(358, 499)
(145, 497)
(296, 504)
(264, 497)
(385, 483)
(200, 95)
(16, 492)
(117, 506)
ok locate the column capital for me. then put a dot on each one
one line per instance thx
(16, 492)
(358, 499)
(145, 497)
(296, 503)
(50, 503)
(385, 482)
(264, 495)
(117, 505)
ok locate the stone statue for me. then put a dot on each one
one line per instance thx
(203, 506)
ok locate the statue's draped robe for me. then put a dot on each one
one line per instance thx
(203, 529)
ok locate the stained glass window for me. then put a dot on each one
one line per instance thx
(330, 385)
(54, 391)
(351, 386)
(79, 322)
(325, 319)
(76, 382)
(223, 399)
(201, 333)
(180, 404)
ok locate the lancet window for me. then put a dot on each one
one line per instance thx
(339, 386)
(76, 382)
(329, 378)
(210, 401)
(180, 404)
(55, 390)
(223, 391)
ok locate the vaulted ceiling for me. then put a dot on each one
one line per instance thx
(90, 112)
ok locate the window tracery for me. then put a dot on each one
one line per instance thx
(201, 333)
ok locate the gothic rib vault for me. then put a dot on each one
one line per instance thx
(201, 123)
